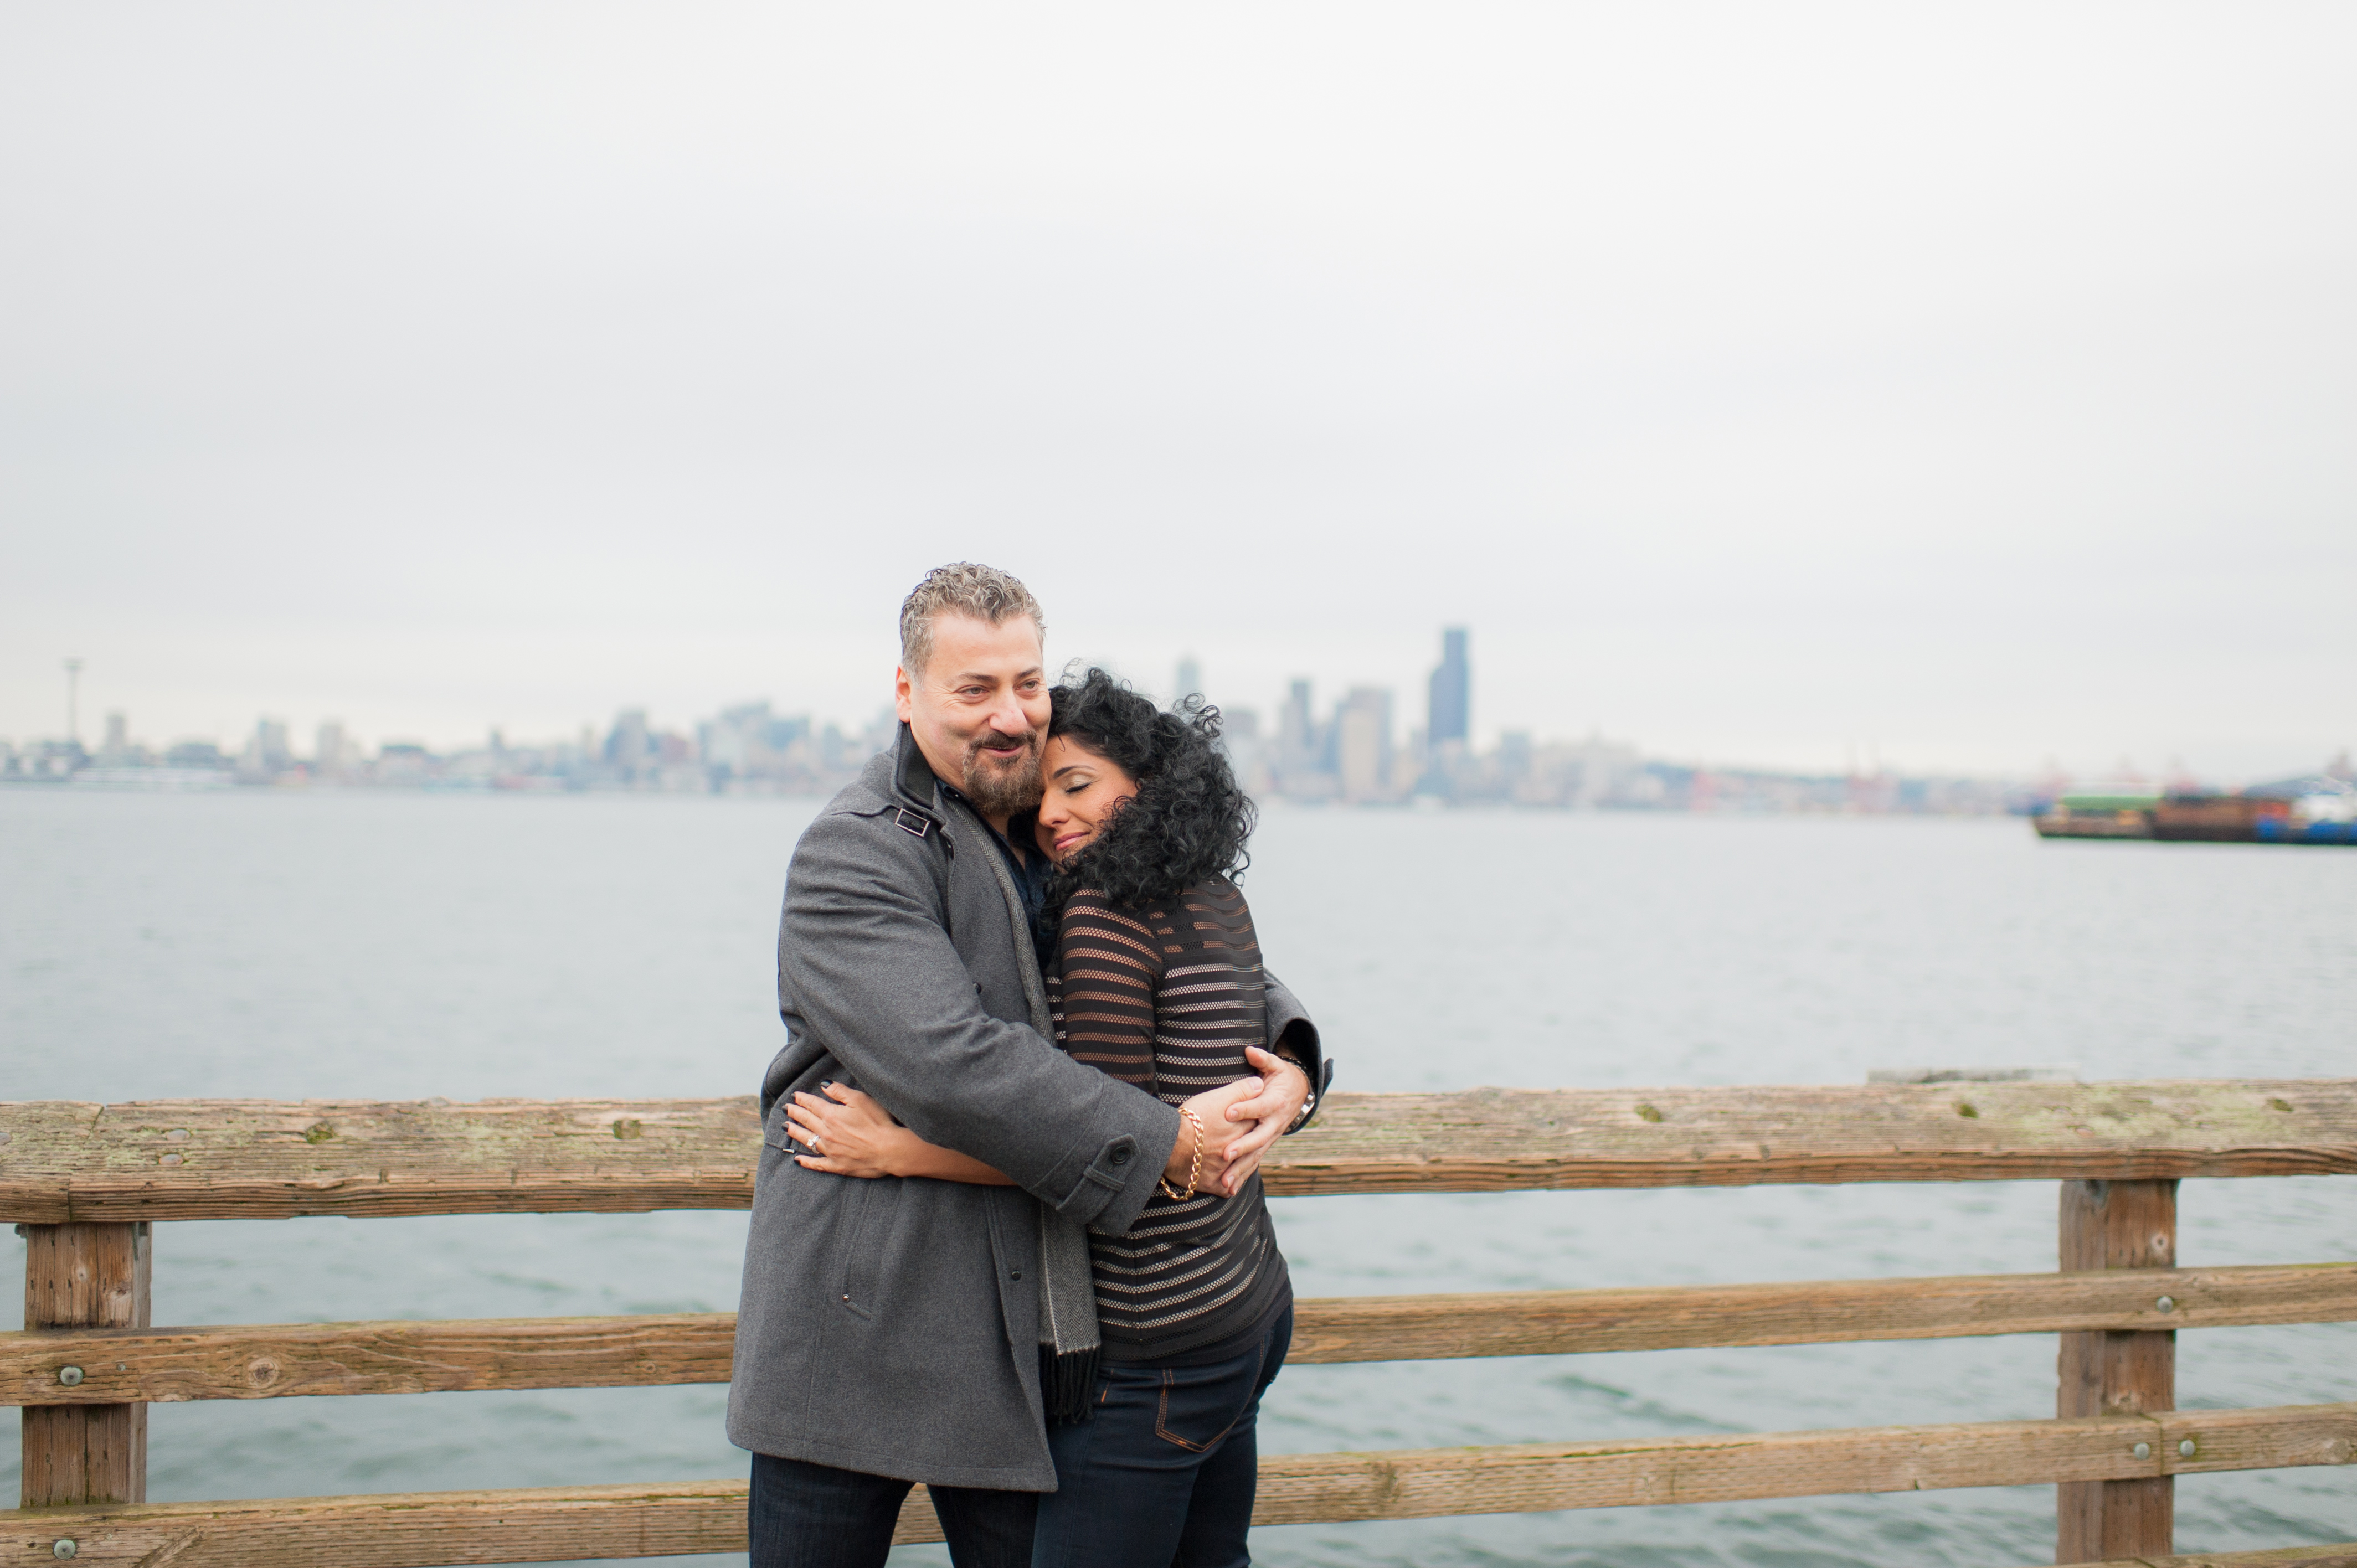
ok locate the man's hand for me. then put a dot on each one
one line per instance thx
(1271, 1111)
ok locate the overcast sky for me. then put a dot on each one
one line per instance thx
(1964, 387)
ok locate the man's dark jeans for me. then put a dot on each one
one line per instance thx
(815, 1516)
(1164, 1470)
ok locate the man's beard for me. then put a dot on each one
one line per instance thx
(1003, 783)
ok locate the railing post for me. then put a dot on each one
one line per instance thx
(2118, 1225)
(85, 1276)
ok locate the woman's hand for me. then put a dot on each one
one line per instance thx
(853, 1135)
(1209, 1170)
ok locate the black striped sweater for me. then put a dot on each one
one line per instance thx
(1167, 996)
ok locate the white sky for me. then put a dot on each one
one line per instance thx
(1759, 381)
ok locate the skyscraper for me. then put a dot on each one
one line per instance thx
(1191, 681)
(1297, 731)
(1362, 732)
(628, 746)
(1449, 718)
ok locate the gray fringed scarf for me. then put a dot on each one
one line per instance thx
(1068, 1290)
(1068, 1318)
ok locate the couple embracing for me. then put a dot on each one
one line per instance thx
(1009, 1237)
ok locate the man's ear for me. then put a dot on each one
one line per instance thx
(903, 696)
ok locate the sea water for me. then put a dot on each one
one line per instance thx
(284, 945)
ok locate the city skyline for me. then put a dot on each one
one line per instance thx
(438, 723)
(1450, 682)
(1361, 748)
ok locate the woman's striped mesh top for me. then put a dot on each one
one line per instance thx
(1167, 997)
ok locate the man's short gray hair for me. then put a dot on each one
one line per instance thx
(986, 593)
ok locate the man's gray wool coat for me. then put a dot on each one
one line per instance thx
(891, 1325)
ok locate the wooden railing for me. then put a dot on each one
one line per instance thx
(85, 1182)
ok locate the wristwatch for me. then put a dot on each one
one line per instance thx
(1310, 1101)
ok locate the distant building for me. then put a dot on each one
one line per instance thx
(330, 756)
(1513, 758)
(266, 755)
(1190, 682)
(115, 751)
(1450, 716)
(403, 762)
(1297, 764)
(1296, 729)
(1240, 737)
(628, 747)
(1362, 744)
(749, 745)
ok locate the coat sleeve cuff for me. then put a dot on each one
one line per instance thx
(1105, 1185)
(1292, 1033)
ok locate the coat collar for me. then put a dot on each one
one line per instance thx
(916, 790)
(912, 776)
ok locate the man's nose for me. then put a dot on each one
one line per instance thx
(1007, 716)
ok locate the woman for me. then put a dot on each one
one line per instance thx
(1157, 981)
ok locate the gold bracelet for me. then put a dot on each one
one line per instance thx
(1194, 1166)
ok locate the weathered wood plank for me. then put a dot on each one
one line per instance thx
(1489, 1139)
(256, 1159)
(78, 1278)
(2343, 1555)
(1537, 1323)
(1539, 1476)
(2130, 1226)
(402, 1529)
(275, 1360)
(269, 1159)
(422, 1529)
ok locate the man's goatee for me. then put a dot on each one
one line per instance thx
(1002, 790)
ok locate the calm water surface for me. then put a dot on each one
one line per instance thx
(284, 945)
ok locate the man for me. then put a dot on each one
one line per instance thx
(892, 1331)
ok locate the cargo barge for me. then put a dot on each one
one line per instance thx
(2318, 810)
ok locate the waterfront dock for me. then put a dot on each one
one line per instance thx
(87, 1182)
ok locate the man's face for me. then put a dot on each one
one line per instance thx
(979, 710)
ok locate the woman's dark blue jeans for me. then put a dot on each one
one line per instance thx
(1164, 1470)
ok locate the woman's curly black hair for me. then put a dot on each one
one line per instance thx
(1188, 821)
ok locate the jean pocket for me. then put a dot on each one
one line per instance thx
(1197, 1407)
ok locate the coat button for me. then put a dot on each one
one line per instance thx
(1015, 1273)
(1121, 1157)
